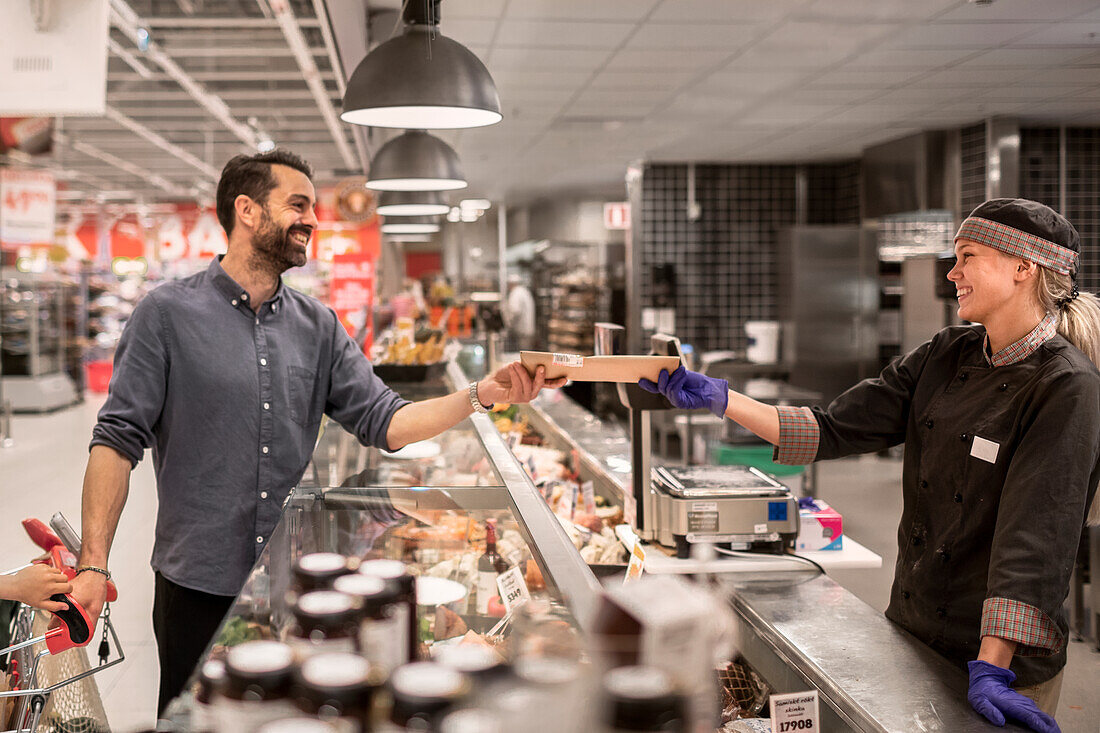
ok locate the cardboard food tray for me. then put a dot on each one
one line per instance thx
(598, 368)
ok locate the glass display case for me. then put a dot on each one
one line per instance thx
(430, 506)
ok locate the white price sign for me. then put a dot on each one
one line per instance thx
(28, 204)
(513, 588)
(795, 711)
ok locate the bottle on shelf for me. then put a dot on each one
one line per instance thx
(489, 566)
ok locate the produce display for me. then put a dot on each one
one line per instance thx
(407, 345)
(588, 519)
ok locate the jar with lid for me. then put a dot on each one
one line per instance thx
(317, 570)
(325, 621)
(423, 693)
(211, 678)
(382, 629)
(471, 720)
(641, 699)
(256, 687)
(488, 672)
(396, 574)
(337, 687)
(300, 724)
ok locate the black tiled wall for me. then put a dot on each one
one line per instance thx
(1039, 180)
(725, 262)
(972, 183)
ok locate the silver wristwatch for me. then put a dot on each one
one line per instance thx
(475, 402)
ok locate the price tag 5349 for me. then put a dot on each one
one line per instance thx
(513, 588)
(796, 711)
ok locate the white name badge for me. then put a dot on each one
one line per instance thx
(796, 711)
(984, 449)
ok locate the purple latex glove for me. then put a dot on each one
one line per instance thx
(991, 696)
(690, 390)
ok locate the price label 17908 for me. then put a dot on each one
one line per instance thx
(796, 711)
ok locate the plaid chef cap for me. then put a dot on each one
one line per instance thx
(1026, 229)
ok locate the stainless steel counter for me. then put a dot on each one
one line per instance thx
(800, 630)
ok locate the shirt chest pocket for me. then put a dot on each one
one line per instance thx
(301, 383)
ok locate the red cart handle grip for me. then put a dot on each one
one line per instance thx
(40, 534)
(74, 630)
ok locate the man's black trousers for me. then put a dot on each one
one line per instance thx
(184, 622)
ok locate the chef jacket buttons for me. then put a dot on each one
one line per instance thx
(963, 376)
(263, 362)
(1003, 387)
(924, 484)
(259, 540)
(263, 494)
(941, 612)
(929, 423)
(958, 498)
(233, 302)
(964, 437)
(905, 595)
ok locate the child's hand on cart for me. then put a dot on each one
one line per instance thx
(33, 586)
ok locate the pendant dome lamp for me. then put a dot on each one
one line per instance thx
(412, 203)
(416, 161)
(421, 79)
(411, 225)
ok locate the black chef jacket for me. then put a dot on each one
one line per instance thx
(1000, 466)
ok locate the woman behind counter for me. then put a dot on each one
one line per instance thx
(1001, 426)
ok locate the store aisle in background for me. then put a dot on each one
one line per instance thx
(41, 474)
(43, 471)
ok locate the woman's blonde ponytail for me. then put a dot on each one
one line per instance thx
(1078, 323)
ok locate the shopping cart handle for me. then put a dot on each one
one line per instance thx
(74, 629)
(65, 561)
(40, 534)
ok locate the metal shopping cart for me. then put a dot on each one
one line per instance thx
(46, 658)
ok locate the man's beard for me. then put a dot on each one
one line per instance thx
(272, 248)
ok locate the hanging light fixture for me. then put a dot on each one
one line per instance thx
(416, 161)
(411, 225)
(412, 203)
(421, 80)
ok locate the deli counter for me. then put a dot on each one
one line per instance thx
(428, 506)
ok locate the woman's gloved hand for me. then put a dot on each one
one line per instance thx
(690, 390)
(991, 696)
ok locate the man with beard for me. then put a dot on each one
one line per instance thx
(226, 376)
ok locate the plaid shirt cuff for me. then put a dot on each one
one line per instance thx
(1032, 630)
(798, 436)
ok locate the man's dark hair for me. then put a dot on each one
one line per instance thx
(251, 175)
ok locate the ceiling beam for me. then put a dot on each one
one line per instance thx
(123, 165)
(251, 52)
(297, 42)
(171, 148)
(220, 23)
(130, 23)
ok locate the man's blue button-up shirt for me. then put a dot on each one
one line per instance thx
(230, 401)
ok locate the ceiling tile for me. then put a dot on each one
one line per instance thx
(596, 108)
(579, 10)
(729, 11)
(960, 35)
(1067, 34)
(471, 9)
(525, 58)
(633, 79)
(1034, 94)
(1063, 77)
(624, 96)
(665, 59)
(864, 78)
(591, 34)
(547, 78)
(729, 36)
(786, 113)
(470, 31)
(1003, 10)
(888, 56)
(734, 80)
(860, 11)
(969, 77)
(1035, 57)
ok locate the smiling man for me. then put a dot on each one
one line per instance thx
(226, 375)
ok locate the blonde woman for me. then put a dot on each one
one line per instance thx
(1001, 426)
